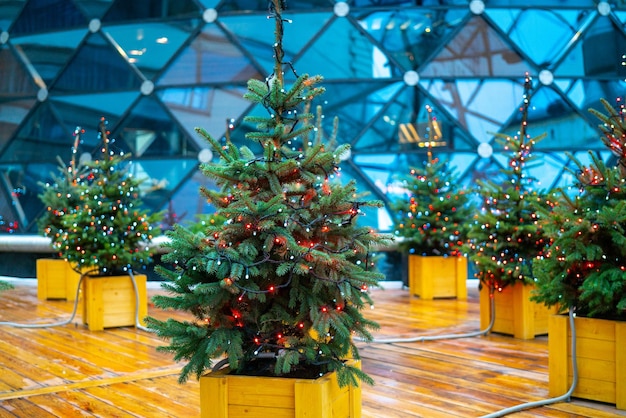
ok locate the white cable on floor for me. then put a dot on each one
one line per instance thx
(73, 314)
(565, 397)
(445, 336)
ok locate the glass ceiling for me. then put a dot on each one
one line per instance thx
(157, 69)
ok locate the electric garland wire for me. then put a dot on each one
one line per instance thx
(563, 398)
(423, 338)
(73, 314)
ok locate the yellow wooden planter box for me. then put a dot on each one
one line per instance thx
(601, 359)
(110, 301)
(516, 314)
(56, 279)
(438, 277)
(229, 396)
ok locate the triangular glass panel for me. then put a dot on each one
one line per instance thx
(9, 10)
(149, 130)
(39, 16)
(152, 45)
(49, 52)
(15, 80)
(93, 9)
(133, 11)
(41, 137)
(464, 163)
(211, 4)
(160, 177)
(472, 104)
(410, 35)
(354, 103)
(239, 128)
(521, 27)
(205, 59)
(13, 113)
(261, 5)
(598, 52)
(187, 202)
(359, 59)
(96, 67)
(550, 114)
(246, 30)
(476, 50)
(207, 107)
(586, 94)
(86, 110)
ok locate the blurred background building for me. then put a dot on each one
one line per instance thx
(156, 69)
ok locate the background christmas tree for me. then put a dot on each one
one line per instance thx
(62, 193)
(108, 231)
(506, 235)
(585, 266)
(279, 288)
(433, 220)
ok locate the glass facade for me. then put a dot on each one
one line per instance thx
(158, 69)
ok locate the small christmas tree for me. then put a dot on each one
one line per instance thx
(434, 218)
(63, 193)
(107, 231)
(506, 235)
(585, 267)
(279, 288)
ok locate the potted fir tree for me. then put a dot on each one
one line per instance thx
(506, 237)
(278, 289)
(585, 269)
(56, 277)
(432, 224)
(106, 236)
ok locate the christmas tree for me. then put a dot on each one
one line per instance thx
(62, 194)
(433, 220)
(506, 235)
(585, 267)
(279, 288)
(106, 231)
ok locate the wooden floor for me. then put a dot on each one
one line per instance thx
(68, 371)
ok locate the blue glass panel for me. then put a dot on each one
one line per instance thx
(256, 34)
(40, 138)
(188, 202)
(12, 113)
(587, 94)
(124, 10)
(355, 57)
(261, 5)
(544, 3)
(93, 9)
(45, 15)
(9, 11)
(49, 52)
(476, 51)
(410, 35)
(152, 45)
(597, 53)
(86, 110)
(160, 177)
(97, 67)
(205, 107)
(560, 25)
(15, 81)
(405, 3)
(149, 130)
(206, 59)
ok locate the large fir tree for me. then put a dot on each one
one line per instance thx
(281, 285)
(107, 231)
(506, 236)
(585, 266)
(433, 218)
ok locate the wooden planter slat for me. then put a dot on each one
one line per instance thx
(110, 301)
(516, 314)
(601, 359)
(438, 277)
(56, 279)
(230, 396)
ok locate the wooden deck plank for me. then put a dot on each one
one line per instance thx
(69, 371)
